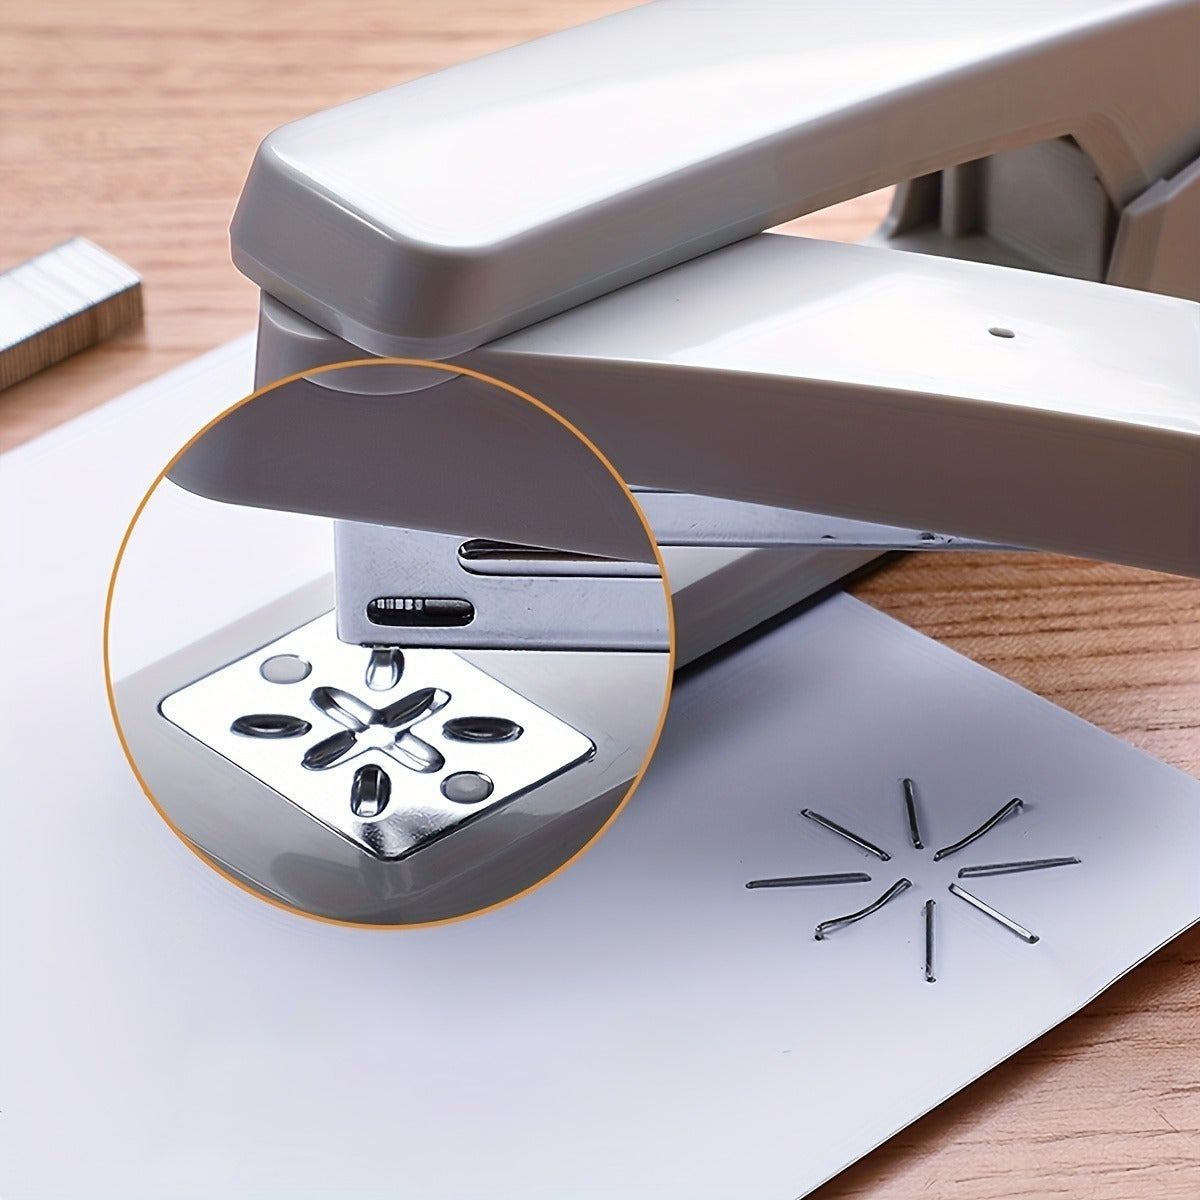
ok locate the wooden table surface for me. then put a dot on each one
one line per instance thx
(133, 122)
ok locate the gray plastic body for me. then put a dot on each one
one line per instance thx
(433, 217)
(852, 380)
(1000, 404)
(556, 190)
(465, 458)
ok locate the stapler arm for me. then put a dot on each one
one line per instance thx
(582, 217)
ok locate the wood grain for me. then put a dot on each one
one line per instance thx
(133, 123)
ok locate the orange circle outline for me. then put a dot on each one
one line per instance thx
(451, 369)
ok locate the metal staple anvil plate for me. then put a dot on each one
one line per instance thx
(391, 767)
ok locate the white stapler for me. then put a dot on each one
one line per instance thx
(1014, 359)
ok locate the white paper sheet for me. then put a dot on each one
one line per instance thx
(641, 1026)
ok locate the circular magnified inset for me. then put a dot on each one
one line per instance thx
(389, 643)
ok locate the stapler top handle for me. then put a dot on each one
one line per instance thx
(563, 214)
(435, 216)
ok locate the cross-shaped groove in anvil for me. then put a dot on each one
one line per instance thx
(365, 727)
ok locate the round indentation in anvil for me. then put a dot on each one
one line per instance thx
(270, 725)
(285, 668)
(466, 787)
(482, 729)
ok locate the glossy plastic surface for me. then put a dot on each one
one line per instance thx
(884, 386)
(437, 215)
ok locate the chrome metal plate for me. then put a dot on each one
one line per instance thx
(509, 604)
(389, 755)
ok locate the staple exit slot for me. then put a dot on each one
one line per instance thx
(420, 612)
(482, 556)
